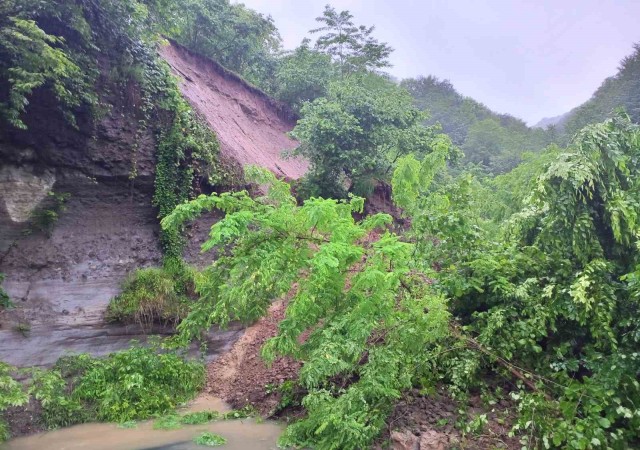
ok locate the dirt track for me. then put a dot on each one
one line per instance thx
(251, 126)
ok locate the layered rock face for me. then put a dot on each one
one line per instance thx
(62, 279)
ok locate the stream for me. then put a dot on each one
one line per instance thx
(245, 434)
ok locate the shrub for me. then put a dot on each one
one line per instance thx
(154, 295)
(137, 383)
(11, 394)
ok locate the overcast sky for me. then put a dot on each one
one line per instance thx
(528, 58)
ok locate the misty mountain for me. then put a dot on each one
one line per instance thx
(495, 141)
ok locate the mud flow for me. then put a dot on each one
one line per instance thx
(243, 434)
(250, 126)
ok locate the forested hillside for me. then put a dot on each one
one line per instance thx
(426, 275)
(490, 140)
(619, 91)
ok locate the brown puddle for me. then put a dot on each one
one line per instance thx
(243, 434)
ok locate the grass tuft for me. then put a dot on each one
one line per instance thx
(200, 417)
(209, 440)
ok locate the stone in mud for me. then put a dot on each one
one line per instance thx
(432, 440)
(404, 440)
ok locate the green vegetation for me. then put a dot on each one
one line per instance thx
(352, 47)
(619, 91)
(355, 134)
(174, 421)
(209, 440)
(5, 301)
(200, 417)
(11, 394)
(493, 141)
(154, 295)
(129, 385)
(515, 272)
(544, 293)
(303, 75)
(168, 422)
(44, 218)
(357, 292)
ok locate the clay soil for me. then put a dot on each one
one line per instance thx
(251, 127)
(240, 376)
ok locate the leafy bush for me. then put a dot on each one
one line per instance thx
(154, 295)
(11, 394)
(552, 299)
(132, 384)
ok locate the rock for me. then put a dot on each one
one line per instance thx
(404, 440)
(432, 440)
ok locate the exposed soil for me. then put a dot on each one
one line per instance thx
(251, 126)
(24, 420)
(434, 422)
(240, 376)
(62, 282)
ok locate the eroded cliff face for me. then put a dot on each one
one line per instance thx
(61, 281)
(251, 127)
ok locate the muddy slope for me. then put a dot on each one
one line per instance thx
(62, 281)
(251, 127)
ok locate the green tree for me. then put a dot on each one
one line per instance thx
(354, 135)
(555, 295)
(237, 37)
(303, 75)
(30, 59)
(369, 315)
(352, 47)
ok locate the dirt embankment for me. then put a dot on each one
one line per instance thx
(251, 126)
(241, 377)
(62, 282)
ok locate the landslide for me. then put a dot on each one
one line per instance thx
(62, 281)
(251, 126)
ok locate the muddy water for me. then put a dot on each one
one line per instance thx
(243, 434)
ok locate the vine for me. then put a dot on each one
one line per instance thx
(187, 152)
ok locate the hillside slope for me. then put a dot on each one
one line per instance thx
(251, 126)
(62, 281)
(620, 90)
(496, 141)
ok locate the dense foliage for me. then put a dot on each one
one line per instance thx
(303, 75)
(532, 275)
(369, 314)
(619, 91)
(237, 37)
(154, 295)
(555, 295)
(11, 394)
(548, 299)
(132, 384)
(355, 134)
(493, 141)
